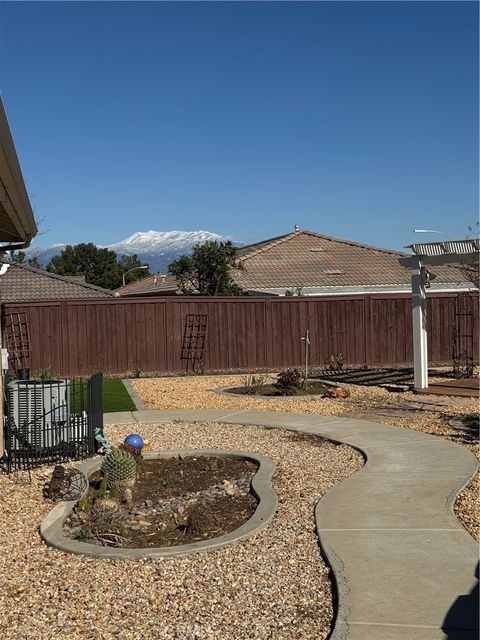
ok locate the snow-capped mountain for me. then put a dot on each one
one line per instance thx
(44, 254)
(156, 248)
(162, 241)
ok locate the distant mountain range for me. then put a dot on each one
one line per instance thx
(157, 248)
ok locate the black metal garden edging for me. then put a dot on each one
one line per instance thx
(51, 421)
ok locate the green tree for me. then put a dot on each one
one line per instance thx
(100, 267)
(21, 258)
(208, 270)
(33, 262)
(17, 256)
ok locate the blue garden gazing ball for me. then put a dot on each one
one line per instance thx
(134, 440)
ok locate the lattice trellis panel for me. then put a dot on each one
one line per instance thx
(194, 341)
(17, 339)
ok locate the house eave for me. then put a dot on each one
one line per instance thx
(17, 221)
(362, 290)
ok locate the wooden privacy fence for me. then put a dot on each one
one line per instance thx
(76, 337)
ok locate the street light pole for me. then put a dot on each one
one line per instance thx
(132, 269)
(431, 231)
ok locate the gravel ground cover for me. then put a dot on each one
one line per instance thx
(185, 392)
(272, 585)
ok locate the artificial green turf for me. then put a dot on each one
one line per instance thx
(116, 397)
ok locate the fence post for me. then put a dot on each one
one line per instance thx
(95, 408)
(367, 330)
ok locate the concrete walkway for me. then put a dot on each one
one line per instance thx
(404, 566)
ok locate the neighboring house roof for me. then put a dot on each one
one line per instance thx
(158, 284)
(21, 283)
(320, 264)
(17, 222)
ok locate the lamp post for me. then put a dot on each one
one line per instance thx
(132, 269)
(431, 231)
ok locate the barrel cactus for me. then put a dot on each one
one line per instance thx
(119, 468)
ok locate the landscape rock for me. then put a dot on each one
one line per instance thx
(229, 488)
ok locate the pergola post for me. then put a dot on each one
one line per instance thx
(419, 316)
(432, 254)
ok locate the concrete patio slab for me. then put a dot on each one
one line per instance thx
(120, 417)
(371, 433)
(407, 632)
(167, 415)
(434, 455)
(407, 576)
(163, 415)
(394, 501)
(280, 419)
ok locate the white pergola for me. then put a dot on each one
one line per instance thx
(431, 254)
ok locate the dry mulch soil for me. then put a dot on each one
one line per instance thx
(313, 388)
(174, 501)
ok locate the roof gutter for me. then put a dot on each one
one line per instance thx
(14, 246)
(13, 194)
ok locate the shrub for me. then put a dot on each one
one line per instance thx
(46, 374)
(82, 534)
(289, 381)
(253, 381)
(335, 363)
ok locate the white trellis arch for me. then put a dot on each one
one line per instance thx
(431, 254)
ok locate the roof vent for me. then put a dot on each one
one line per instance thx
(317, 250)
(296, 228)
(334, 272)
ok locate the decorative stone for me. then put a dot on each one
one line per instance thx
(144, 523)
(229, 488)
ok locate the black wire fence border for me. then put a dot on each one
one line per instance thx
(51, 421)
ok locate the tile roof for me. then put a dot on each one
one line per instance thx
(157, 284)
(309, 259)
(21, 283)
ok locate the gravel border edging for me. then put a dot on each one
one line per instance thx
(51, 527)
(137, 401)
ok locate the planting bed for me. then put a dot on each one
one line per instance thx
(270, 390)
(174, 501)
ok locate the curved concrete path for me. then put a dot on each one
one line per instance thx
(405, 568)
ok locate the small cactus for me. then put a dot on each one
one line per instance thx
(119, 467)
(137, 453)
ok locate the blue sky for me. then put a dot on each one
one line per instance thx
(353, 119)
